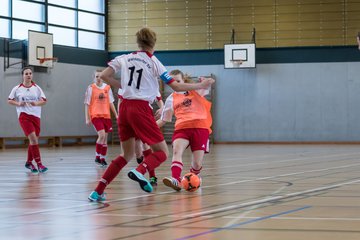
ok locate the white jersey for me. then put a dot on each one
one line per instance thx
(89, 93)
(34, 93)
(139, 73)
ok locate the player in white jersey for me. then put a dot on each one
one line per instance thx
(28, 99)
(140, 72)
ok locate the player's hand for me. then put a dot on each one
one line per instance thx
(33, 103)
(87, 121)
(158, 113)
(206, 82)
(21, 104)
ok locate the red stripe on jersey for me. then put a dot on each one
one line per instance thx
(171, 81)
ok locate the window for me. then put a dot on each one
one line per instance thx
(91, 22)
(5, 8)
(4, 28)
(91, 40)
(66, 3)
(62, 16)
(76, 23)
(20, 29)
(28, 10)
(92, 5)
(63, 36)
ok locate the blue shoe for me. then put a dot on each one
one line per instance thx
(42, 168)
(31, 167)
(144, 183)
(95, 197)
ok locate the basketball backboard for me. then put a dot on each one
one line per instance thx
(239, 55)
(40, 47)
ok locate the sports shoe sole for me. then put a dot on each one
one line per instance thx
(143, 182)
(168, 182)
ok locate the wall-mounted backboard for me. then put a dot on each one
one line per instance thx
(239, 55)
(40, 47)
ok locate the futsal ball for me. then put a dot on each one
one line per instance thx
(190, 182)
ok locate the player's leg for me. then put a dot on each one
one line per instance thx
(107, 128)
(138, 151)
(113, 170)
(33, 147)
(146, 152)
(199, 144)
(146, 129)
(179, 146)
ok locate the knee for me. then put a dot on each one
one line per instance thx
(196, 165)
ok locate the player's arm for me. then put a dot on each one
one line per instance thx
(203, 92)
(108, 76)
(112, 107)
(39, 103)
(160, 104)
(87, 115)
(167, 112)
(176, 86)
(16, 103)
(358, 40)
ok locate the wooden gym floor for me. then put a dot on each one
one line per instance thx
(251, 192)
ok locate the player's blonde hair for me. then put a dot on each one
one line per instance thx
(186, 77)
(146, 38)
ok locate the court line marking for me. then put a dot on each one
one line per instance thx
(251, 208)
(269, 199)
(304, 218)
(243, 223)
(282, 175)
(231, 183)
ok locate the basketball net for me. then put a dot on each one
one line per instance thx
(236, 63)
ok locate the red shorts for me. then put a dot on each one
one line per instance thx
(102, 124)
(136, 119)
(198, 138)
(29, 124)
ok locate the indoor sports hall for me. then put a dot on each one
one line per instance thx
(284, 151)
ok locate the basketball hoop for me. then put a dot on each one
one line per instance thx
(43, 60)
(236, 63)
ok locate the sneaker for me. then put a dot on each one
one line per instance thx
(144, 183)
(98, 161)
(172, 182)
(42, 168)
(140, 159)
(31, 167)
(153, 181)
(95, 197)
(103, 163)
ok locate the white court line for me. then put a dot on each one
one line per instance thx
(249, 210)
(269, 199)
(303, 218)
(281, 175)
(166, 192)
(287, 160)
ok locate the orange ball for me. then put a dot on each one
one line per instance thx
(190, 182)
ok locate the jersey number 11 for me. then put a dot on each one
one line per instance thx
(132, 70)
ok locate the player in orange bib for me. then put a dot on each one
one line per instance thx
(192, 128)
(98, 102)
(28, 99)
